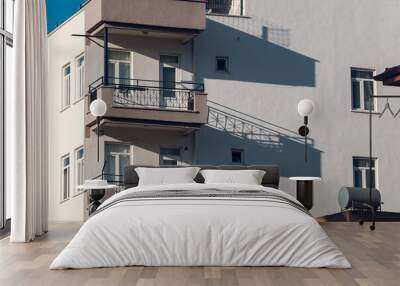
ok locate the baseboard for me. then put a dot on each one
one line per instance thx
(355, 216)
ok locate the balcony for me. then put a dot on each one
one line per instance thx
(150, 103)
(178, 16)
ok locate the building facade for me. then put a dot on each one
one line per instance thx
(187, 87)
(67, 91)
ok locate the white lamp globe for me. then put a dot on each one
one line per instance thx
(98, 108)
(305, 107)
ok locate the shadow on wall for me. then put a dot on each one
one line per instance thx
(258, 52)
(261, 141)
(148, 142)
(252, 57)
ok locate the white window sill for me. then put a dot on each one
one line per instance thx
(78, 193)
(63, 201)
(362, 111)
(65, 108)
(79, 100)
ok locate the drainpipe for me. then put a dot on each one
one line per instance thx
(194, 76)
(106, 81)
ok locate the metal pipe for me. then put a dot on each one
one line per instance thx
(106, 56)
(102, 170)
(305, 139)
(98, 138)
(372, 227)
(370, 150)
(305, 150)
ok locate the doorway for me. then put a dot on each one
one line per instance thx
(169, 76)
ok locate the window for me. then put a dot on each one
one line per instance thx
(226, 7)
(169, 73)
(65, 177)
(361, 176)
(363, 87)
(237, 156)
(222, 64)
(118, 156)
(6, 63)
(79, 175)
(66, 87)
(170, 156)
(9, 15)
(80, 77)
(119, 67)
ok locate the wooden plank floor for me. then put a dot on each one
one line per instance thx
(375, 257)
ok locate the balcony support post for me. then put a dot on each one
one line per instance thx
(106, 56)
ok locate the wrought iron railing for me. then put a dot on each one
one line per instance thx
(138, 93)
(226, 7)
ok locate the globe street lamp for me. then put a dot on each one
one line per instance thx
(98, 108)
(305, 108)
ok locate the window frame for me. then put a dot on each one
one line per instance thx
(361, 81)
(166, 95)
(79, 165)
(63, 77)
(118, 172)
(63, 168)
(6, 42)
(178, 159)
(4, 18)
(227, 66)
(80, 74)
(364, 171)
(241, 151)
(112, 78)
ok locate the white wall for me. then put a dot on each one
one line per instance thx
(283, 52)
(305, 51)
(66, 128)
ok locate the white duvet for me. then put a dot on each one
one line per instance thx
(200, 232)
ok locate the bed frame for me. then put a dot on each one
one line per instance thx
(270, 179)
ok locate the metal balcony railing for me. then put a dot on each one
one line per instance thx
(226, 7)
(138, 93)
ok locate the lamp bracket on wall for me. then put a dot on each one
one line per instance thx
(90, 38)
(304, 131)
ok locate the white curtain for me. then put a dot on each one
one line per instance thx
(26, 118)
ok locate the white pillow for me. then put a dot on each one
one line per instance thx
(247, 177)
(166, 176)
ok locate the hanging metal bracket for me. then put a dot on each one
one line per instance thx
(90, 38)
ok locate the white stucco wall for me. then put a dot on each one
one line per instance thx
(66, 128)
(282, 52)
(305, 51)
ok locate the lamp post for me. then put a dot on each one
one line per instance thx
(305, 108)
(98, 108)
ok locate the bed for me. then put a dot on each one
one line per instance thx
(201, 224)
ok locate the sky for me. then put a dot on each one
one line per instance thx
(60, 10)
